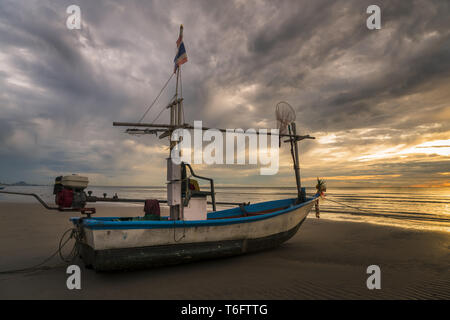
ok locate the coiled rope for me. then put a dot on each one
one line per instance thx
(74, 234)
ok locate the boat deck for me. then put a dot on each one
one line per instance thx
(250, 213)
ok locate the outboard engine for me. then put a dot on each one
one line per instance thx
(69, 191)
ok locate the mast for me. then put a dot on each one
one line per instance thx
(174, 170)
(177, 121)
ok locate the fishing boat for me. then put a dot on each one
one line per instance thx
(118, 243)
(189, 232)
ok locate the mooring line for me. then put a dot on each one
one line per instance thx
(39, 267)
(343, 204)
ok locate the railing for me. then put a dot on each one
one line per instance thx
(211, 181)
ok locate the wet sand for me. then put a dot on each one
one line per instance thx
(324, 260)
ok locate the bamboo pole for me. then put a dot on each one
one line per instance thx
(189, 127)
(295, 160)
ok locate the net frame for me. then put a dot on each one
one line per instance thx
(285, 115)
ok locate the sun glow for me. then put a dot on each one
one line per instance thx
(359, 177)
(440, 147)
(437, 147)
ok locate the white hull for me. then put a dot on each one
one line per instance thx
(115, 239)
(111, 246)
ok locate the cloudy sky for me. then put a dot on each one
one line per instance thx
(377, 101)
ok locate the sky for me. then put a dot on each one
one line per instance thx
(377, 101)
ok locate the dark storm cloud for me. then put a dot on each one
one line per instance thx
(61, 89)
(56, 65)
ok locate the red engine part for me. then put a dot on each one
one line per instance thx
(64, 198)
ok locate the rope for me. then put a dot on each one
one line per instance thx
(148, 109)
(74, 252)
(159, 114)
(343, 204)
(154, 101)
(184, 231)
(38, 267)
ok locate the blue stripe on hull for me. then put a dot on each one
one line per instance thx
(109, 223)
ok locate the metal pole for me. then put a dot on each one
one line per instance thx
(295, 160)
(32, 195)
(175, 210)
(174, 120)
(179, 123)
(180, 101)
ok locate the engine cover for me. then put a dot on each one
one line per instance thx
(64, 198)
(69, 191)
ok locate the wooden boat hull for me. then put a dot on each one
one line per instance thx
(108, 245)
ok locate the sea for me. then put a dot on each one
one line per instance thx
(417, 208)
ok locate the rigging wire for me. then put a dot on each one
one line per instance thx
(159, 114)
(171, 100)
(157, 97)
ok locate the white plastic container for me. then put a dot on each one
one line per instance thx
(196, 210)
(75, 181)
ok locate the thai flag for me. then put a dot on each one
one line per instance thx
(181, 56)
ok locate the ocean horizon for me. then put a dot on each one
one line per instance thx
(406, 207)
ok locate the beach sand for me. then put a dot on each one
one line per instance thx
(324, 260)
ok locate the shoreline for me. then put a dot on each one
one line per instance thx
(397, 222)
(326, 259)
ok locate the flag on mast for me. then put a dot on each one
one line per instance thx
(181, 56)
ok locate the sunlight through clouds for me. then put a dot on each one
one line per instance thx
(377, 102)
